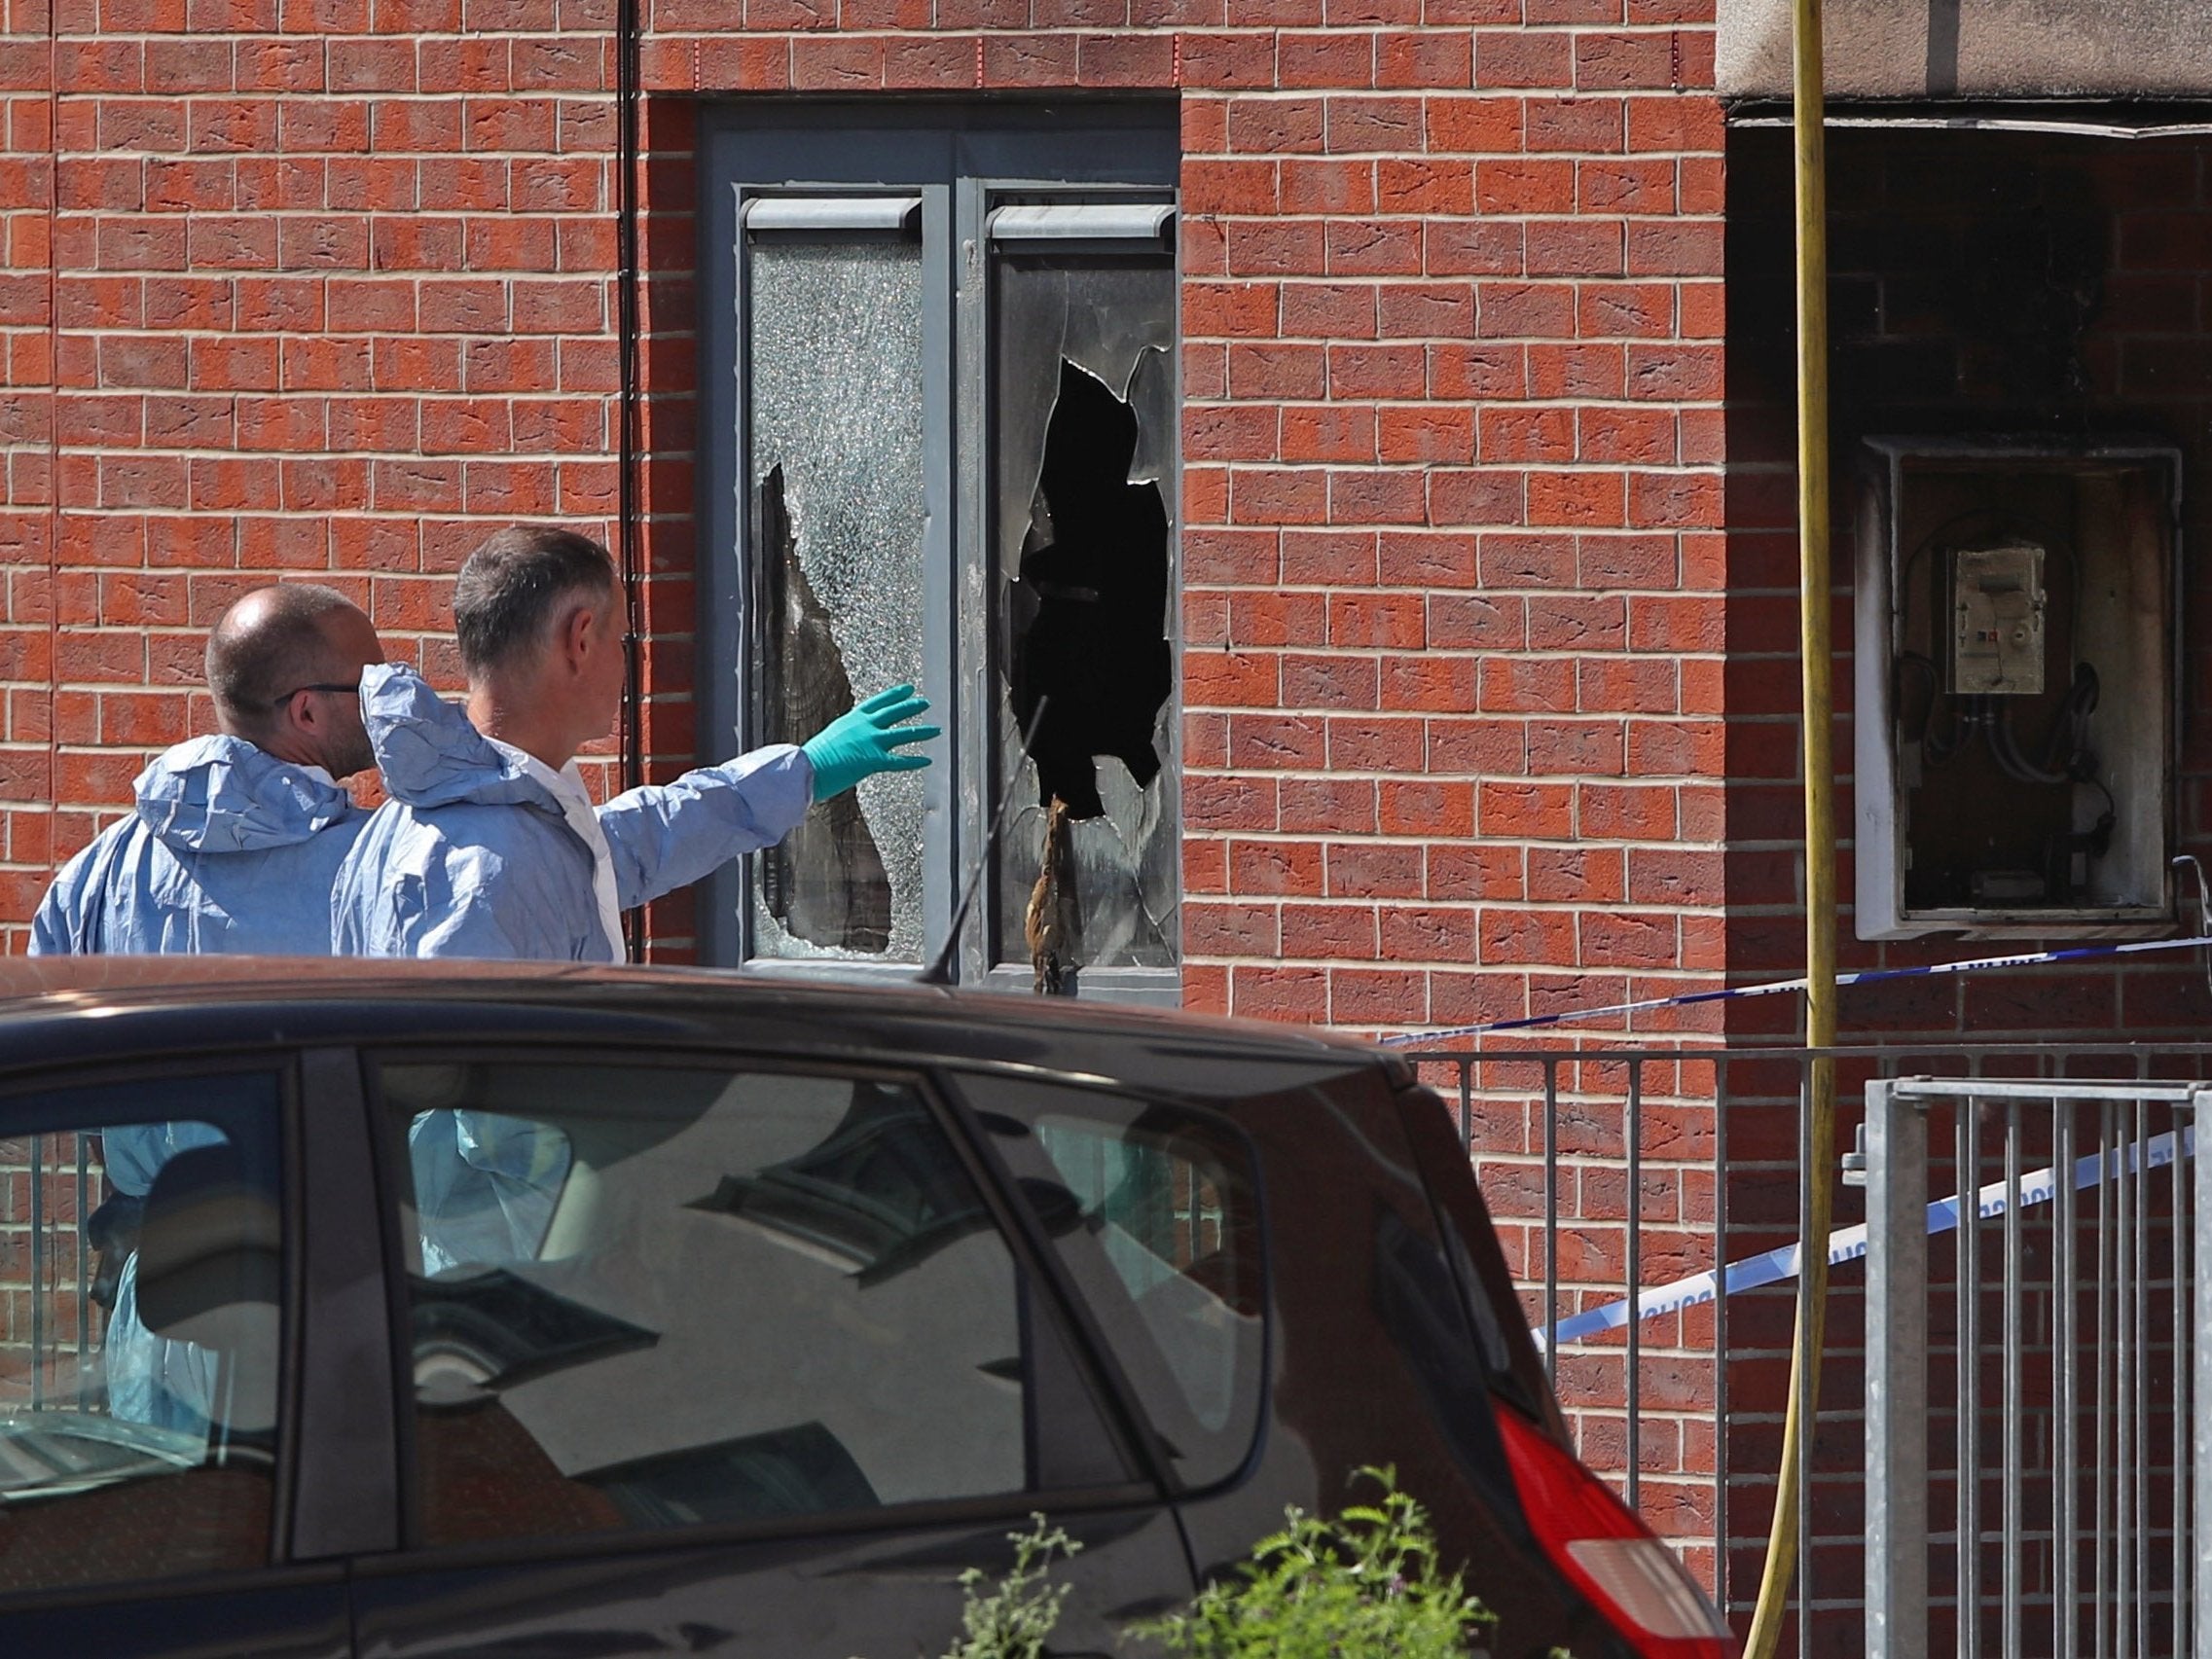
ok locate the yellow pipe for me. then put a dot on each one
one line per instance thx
(1816, 653)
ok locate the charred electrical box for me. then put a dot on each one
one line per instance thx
(2016, 687)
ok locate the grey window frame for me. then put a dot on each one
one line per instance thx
(957, 157)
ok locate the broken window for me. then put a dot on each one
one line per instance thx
(835, 323)
(939, 444)
(1083, 327)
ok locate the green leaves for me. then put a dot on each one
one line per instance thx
(1014, 1620)
(1365, 1585)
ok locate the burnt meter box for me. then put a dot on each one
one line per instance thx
(2016, 680)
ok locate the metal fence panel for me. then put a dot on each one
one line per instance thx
(2202, 1420)
(2074, 1395)
(1626, 1178)
(1897, 1376)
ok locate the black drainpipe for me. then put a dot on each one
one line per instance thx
(630, 484)
(629, 490)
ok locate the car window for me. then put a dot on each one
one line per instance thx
(1154, 1214)
(141, 1229)
(646, 1295)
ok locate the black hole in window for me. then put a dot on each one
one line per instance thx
(1088, 611)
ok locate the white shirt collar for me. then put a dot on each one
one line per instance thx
(566, 786)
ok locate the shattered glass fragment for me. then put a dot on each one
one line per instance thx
(826, 881)
(837, 499)
(1083, 510)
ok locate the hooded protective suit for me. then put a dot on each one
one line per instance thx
(230, 851)
(484, 852)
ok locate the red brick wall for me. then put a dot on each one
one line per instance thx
(293, 289)
(44, 1262)
(326, 287)
(1452, 610)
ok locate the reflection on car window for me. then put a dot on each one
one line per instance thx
(138, 1382)
(651, 1296)
(1153, 1213)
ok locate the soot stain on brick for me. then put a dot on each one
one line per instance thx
(826, 881)
(2032, 281)
(1087, 612)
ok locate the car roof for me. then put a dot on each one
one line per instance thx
(75, 1008)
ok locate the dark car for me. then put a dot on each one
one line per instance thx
(403, 1309)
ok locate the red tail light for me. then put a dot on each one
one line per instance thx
(1607, 1554)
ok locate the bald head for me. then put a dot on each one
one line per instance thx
(271, 664)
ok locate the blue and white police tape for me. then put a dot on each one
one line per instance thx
(1849, 1244)
(1783, 986)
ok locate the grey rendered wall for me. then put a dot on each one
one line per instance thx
(1977, 48)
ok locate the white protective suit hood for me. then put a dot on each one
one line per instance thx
(221, 794)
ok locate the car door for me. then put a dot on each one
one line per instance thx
(152, 1277)
(724, 1355)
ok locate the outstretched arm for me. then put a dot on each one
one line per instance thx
(668, 836)
(665, 836)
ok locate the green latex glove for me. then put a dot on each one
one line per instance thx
(865, 741)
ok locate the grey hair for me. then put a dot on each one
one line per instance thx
(268, 644)
(507, 591)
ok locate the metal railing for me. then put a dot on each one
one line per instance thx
(2080, 1540)
(1682, 1402)
(47, 1321)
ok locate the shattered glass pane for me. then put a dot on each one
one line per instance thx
(1083, 548)
(836, 503)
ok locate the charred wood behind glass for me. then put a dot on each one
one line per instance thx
(826, 881)
(1054, 922)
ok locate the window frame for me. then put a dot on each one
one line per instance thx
(282, 1566)
(959, 158)
(393, 1178)
(1091, 1331)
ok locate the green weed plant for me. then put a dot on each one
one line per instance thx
(1014, 1619)
(1364, 1585)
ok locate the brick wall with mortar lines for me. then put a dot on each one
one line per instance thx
(1451, 671)
(331, 292)
(302, 289)
(2099, 249)
(44, 1267)
(1676, 1371)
